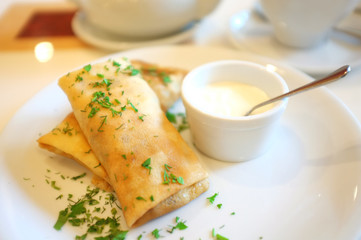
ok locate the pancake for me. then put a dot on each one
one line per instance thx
(148, 164)
(67, 139)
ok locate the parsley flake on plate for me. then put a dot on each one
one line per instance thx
(212, 198)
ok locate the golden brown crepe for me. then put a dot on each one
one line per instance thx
(150, 167)
(166, 82)
(68, 140)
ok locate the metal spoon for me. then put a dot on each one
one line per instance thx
(339, 73)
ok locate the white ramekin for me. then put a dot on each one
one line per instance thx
(232, 139)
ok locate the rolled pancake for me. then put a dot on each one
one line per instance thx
(68, 140)
(166, 81)
(123, 123)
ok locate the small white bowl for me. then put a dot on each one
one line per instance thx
(232, 138)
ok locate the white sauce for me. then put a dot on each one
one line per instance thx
(229, 98)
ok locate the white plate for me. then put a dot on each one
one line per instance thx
(305, 187)
(104, 40)
(250, 32)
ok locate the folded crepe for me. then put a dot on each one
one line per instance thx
(166, 82)
(67, 139)
(148, 164)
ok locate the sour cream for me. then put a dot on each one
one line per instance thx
(230, 98)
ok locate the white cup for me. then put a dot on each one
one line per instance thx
(305, 23)
(144, 18)
(232, 138)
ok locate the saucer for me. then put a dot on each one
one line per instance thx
(249, 31)
(98, 38)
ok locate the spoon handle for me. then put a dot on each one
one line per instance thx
(339, 73)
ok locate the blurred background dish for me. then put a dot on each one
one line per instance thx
(250, 31)
(305, 23)
(144, 19)
(104, 40)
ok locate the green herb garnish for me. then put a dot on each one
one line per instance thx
(171, 117)
(220, 237)
(53, 185)
(140, 198)
(131, 104)
(142, 117)
(104, 121)
(170, 177)
(116, 64)
(79, 176)
(165, 77)
(155, 233)
(180, 225)
(78, 78)
(87, 67)
(146, 164)
(212, 198)
(93, 111)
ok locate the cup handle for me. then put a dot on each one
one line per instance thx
(205, 7)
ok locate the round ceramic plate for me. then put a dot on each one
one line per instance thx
(104, 40)
(305, 187)
(250, 32)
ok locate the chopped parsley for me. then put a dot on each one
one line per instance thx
(131, 70)
(165, 77)
(218, 236)
(180, 225)
(87, 67)
(104, 121)
(66, 130)
(131, 104)
(181, 124)
(171, 117)
(146, 164)
(140, 198)
(142, 117)
(116, 64)
(77, 213)
(53, 185)
(79, 176)
(170, 177)
(93, 111)
(155, 233)
(212, 198)
(78, 78)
